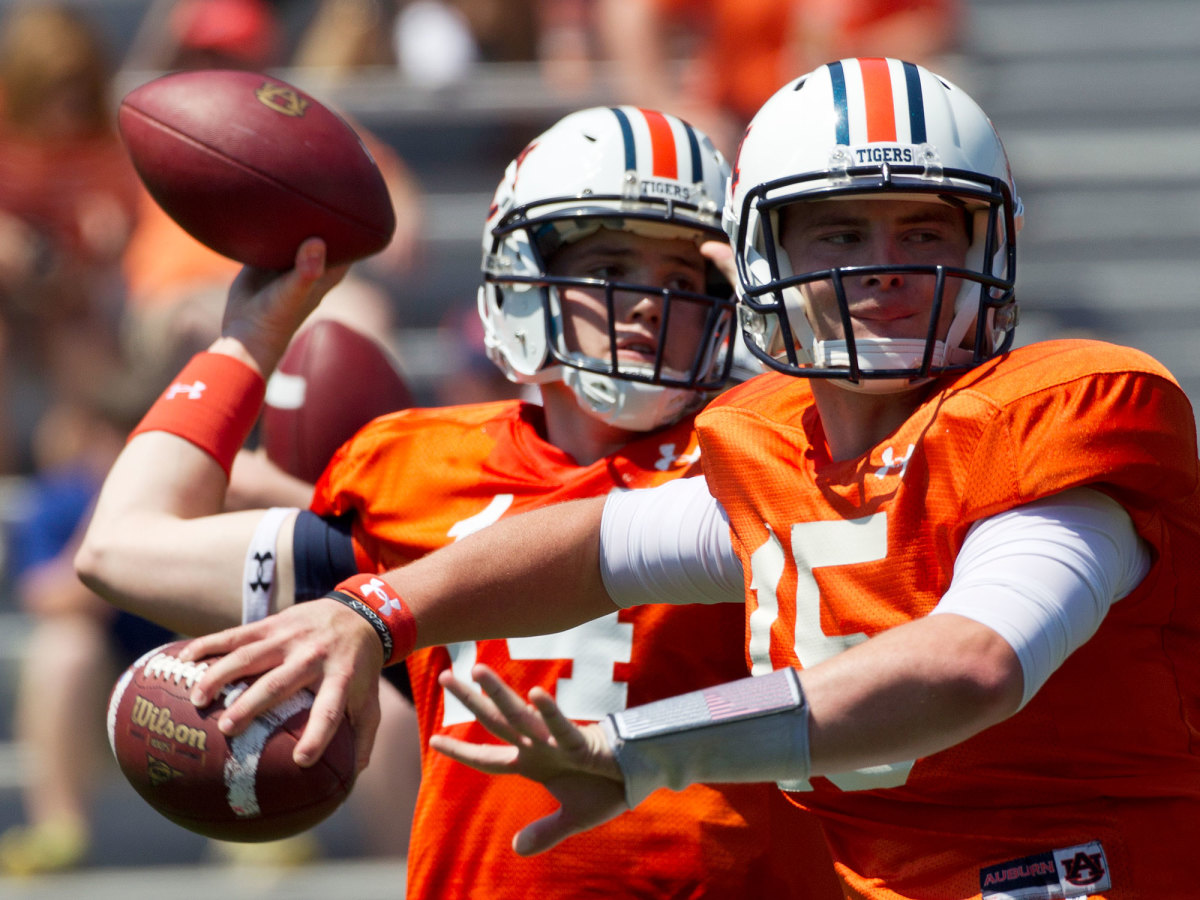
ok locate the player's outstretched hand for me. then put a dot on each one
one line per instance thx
(321, 645)
(265, 307)
(574, 762)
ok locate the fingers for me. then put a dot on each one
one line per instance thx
(720, 254)
(366, 725)
(564, 732)
(516, 712)
(542, 834)
(322, 646)
(494, 759)
(324, 719)
(266, 307)
(241, 653)
(220, 642)
(271, 688)
(480, 706)
(586, 802)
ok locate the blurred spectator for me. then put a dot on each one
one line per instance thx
(60, 707)
(736, 53)
(437, 41)
(346, 35)
(207, 34)
(474, 377)
(67, 205)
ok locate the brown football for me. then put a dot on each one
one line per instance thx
(245, 788)
(331, 381)
(251, 166)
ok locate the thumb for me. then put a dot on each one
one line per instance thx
(542, 834)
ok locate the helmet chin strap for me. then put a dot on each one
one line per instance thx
(875, 354)
(629, 405)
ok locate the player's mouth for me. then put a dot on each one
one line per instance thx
(638, 350)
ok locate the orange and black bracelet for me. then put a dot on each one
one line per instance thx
(213, 403)
(377, 602)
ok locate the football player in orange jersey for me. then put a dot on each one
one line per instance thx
(596, 289)
(973, 613)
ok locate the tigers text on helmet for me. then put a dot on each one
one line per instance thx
(880, 129)
(620, 168)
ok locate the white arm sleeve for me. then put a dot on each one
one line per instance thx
(1044, 575)
(668, 544)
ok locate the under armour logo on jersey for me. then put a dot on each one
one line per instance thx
(192, 391)
(668, 459)
(388, 602)
(891, 464)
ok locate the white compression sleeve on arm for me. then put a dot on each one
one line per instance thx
(668, 544)
(1044, 575)
(750, 730)
(258, 579)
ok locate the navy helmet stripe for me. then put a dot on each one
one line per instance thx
(627, 135)
(694, 147)
(838, 78)
(916, 103)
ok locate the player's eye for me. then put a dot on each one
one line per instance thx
(684, 281)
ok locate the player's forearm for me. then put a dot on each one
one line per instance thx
(904, 694)
(536, 573)
(909, 692)
(152, 546)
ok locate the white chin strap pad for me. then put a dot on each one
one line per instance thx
(630, 405)
(878, 353)
(751, 730)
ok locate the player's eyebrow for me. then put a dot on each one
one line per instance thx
(833, 218)
(620, 252)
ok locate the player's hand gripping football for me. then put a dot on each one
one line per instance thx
(574, 762)
(321, 645)
(265, 307)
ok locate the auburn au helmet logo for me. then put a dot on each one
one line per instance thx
(282, 99)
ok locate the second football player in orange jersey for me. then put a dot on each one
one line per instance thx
(596, 290)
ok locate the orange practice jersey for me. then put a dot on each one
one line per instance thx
(1093, 788)
(418, 479)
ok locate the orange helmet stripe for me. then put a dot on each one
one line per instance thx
(877, 91)
(665, 161)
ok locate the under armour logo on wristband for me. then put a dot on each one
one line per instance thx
(380, 604)
(192, 391)
(388, 602)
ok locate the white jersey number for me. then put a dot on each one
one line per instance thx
(590, 692)
(841, 542)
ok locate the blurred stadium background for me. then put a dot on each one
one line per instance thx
(1098, 102)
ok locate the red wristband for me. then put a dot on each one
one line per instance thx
(213, 402)
(377, 602)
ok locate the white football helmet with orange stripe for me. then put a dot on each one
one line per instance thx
(624, 168)
(873, 128)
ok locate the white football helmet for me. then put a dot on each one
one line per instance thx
(873, 128)
(623, 168)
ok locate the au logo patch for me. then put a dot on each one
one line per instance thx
(1077, 871)
(159, 772)
(282, 99)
